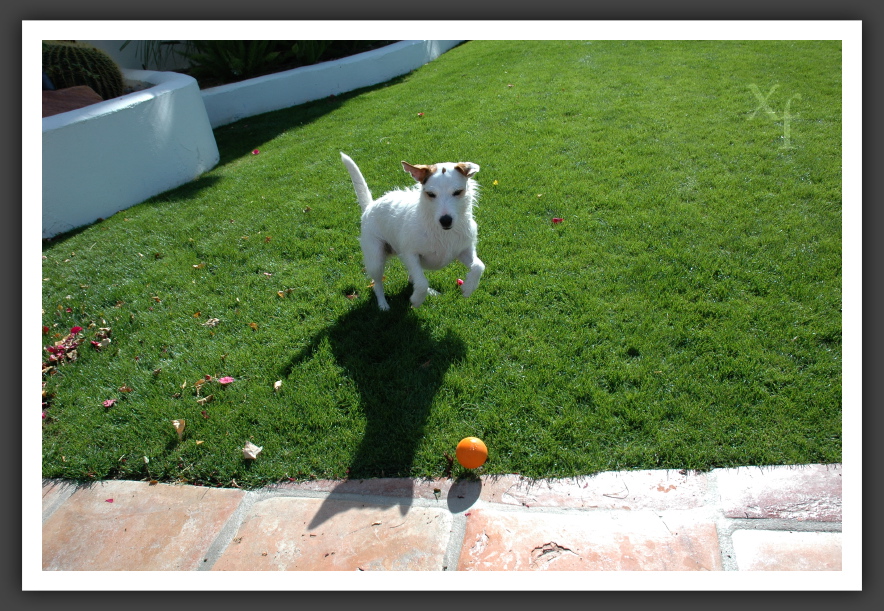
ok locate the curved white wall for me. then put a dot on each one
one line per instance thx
(109, 156)
(229, 103)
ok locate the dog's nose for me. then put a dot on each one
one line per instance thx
(445, 221)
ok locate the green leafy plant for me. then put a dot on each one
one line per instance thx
(155, 53)
(216, 62)
(230, 60)
(310, 50)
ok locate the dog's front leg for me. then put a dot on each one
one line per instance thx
(476, 267)
(420, 284)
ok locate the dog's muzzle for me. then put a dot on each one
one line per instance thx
(445, 221)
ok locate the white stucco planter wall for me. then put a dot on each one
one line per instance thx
(229, 103)
(109, 156)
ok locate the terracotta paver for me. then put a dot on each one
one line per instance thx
(276, 534)
(389, 487)
(766, 550)
(617, 521)
(805, 493)
(630, 541)
(54, 494)
(131, 526)
(611, 490)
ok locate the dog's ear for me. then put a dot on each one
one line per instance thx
(467, 168)
(419, 172)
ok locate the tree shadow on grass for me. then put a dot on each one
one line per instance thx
(397, 366)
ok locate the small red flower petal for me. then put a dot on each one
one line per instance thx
(109, 403)
(108, 500)
(225, 380)
(45, 330)
(557, 220)
(75, 330)
(255, 152)
(459, 282)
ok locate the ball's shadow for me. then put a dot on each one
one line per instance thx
(464, 493)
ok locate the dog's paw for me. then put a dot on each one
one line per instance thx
(383, 305)
(432, 292)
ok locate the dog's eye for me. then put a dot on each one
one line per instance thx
(431, 195)
(458, 193)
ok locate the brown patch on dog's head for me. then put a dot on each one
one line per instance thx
(467, 168)
(419, 172)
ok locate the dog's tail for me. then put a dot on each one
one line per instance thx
(363, 195)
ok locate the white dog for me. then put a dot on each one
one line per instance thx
(426, 226)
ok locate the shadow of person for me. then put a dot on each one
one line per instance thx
(397, 367)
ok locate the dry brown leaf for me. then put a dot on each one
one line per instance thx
(250, 451)
(179, 427)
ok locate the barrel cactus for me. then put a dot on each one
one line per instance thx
(69, 63)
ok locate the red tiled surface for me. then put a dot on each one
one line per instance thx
(630, 541)
(811, 492)
(765, 550)
(130, 526)
(285, 533)
(611, 490)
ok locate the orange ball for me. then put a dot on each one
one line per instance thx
(471, 452)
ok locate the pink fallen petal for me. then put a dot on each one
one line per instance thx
(75, 330)
(255, 152)
(108, 500)
(225, 380)
(459, 282)
(110, 403)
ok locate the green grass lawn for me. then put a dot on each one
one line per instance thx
(685, 314)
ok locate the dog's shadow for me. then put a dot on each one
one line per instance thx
(397, 367)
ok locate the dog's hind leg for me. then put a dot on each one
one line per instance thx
(375, 259)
